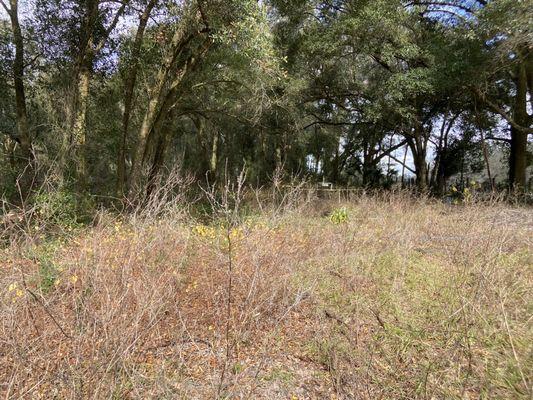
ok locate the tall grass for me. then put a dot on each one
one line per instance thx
(401, 298)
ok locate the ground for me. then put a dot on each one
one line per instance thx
(393, 298)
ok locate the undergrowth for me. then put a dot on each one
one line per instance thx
(393, 298)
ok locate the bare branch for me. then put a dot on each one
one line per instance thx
(4, 5)
(403, 164)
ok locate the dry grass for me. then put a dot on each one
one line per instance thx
(408, 299)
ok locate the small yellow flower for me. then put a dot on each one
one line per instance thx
(205, 231)
(236, 233)
(19, 293)
(12, 287)
(74, 278)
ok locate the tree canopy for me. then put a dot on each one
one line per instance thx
(103, 97)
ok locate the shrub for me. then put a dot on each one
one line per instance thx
(59, 209)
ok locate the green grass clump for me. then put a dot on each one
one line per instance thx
(339, 216)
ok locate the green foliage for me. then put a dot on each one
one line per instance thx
(339, 216)
(60, 209)
(264, 85)
(48, 270)
(48, 274)
(464, 195)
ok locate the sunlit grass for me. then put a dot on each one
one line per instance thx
(400, 299)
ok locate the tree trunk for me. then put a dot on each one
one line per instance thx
(421, 171)
(434, 173)
(73, 152)
(214, 155)
(158, 137)
(23, 129)
(403, 163)
(79, 129)
(486, 159)
(336, 164)
(441, 171)
(438, 177)
(18, 76)
(417, 141)
(158, 95)
(518, 155)
(518, 160)
(160, 150)
(129, 88)
(418, 149)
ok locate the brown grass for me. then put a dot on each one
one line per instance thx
(408, 299)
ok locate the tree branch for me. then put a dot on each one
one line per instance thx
(498, 110)
(403, 164)
(112, 26)
(5, 7)
(388, 151)
(498, 138)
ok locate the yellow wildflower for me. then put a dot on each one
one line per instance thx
(236, 233)
(205, 231)
(12, 287)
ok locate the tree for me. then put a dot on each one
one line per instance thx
(129, 88)
(23, 129)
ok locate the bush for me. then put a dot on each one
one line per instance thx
(59, 209)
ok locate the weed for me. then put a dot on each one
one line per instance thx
(339, 216)
(414, 299)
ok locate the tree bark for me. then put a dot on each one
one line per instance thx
(163, 92)
(79, 128)
(23, 129)
(418, 144)
(158, 95)
(160, 150)
(73, 152)
(213, 162)
(129, 89)
(419, 159)
(518, 155)
(438, 178)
